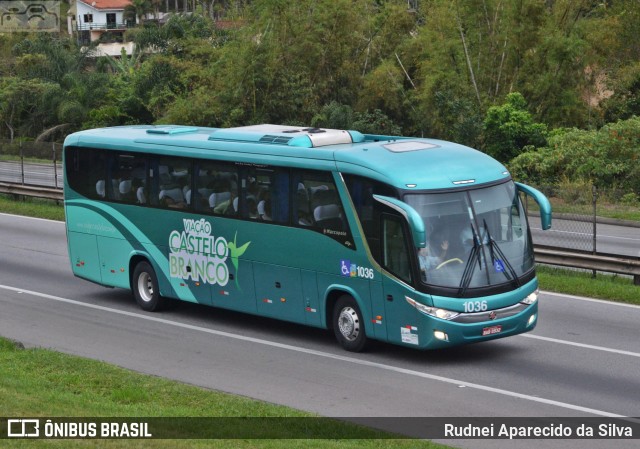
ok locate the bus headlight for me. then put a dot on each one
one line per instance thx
(443, 314)
(441, 335)
(533, 297)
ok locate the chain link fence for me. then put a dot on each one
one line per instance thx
(31, 163)
(590, 219)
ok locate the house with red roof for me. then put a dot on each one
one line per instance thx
(95, 17)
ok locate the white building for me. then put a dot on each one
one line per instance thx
(95, 17)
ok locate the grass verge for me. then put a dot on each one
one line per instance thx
(43, 383)
(32, 207)
(581, 283)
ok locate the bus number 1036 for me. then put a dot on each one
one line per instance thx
(366, 273)
(475, 306)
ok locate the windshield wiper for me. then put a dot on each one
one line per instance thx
(495, 249)
(469, 268)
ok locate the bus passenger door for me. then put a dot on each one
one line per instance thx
(378, 307)
(401, 318)
(279, 292)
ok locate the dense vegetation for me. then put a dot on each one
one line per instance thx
(549, 86)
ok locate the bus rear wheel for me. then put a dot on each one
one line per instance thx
(145, 288)
(348, 324)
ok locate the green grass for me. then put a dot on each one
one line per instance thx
(581, 283)
(43, 383)
(32, 207)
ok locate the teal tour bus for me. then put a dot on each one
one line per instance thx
(413, 241)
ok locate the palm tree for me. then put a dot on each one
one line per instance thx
(137, 10)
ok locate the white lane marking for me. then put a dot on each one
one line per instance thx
(581, 345)
(597, 301)
(32, 218)
(327, 355)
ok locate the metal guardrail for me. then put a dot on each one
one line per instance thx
(34, 191)
(610, 263)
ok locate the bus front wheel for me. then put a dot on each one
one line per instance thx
(348, 324)
(145, 288)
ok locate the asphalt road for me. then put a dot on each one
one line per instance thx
(582, 360)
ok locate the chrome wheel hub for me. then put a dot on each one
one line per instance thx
(145, 287)
(349, 324)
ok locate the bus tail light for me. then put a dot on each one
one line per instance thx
(443, 314)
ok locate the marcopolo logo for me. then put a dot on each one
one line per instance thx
(197, 255)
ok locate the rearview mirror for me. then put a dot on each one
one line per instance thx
(543, 203)
(416, 224)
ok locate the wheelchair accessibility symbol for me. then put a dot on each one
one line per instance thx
(348, 269)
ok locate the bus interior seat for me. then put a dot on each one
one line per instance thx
(328, 216)
(264, 213)
(174, 194)
(125, 186)
(100, 188)
(218, 197)
(314, 190)
(142, 199)
(323, 197)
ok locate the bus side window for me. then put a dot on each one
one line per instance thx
(85, 168)
(265, 194)
(396, 253)
(173, 183)
(216, 188)
(317, 203)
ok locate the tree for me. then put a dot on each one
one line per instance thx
(509, 128)
(608, 157)
(137, 10)
(27, 106)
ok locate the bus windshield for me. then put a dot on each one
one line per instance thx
(475, 238)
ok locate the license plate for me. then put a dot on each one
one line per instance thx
(491, 330)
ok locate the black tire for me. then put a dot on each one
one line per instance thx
(348, 324)
(144, 284)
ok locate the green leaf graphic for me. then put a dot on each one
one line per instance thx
(235, 253)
